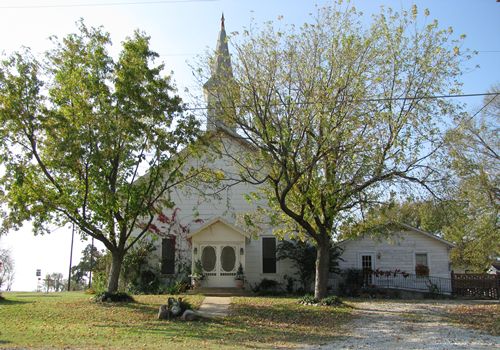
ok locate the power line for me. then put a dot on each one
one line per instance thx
(482, 108)
(121, 3)
(381, 99)
(466, 120)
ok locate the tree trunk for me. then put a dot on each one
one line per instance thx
(114, 273)
(322, 269)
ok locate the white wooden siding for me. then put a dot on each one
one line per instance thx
(398, 252)
(229, 204)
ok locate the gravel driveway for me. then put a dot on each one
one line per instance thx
(408, 325)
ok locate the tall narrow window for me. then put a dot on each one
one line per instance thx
(269, 255)
(168, 256)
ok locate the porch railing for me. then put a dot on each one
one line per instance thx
(460, 285)
(406, 281)
(430, 284)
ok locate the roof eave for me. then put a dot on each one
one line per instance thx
(214, 221)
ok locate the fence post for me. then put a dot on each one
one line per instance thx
(452, 283)
(498, 285)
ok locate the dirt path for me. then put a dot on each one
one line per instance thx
(408, 325)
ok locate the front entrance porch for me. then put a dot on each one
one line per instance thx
(220, 247)
(220, 262)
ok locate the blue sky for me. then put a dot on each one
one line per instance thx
(181, 30)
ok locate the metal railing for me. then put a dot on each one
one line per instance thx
(403, 281)
(460, 285)
(430, 284)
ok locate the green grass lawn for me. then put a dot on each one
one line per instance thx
(71, 320)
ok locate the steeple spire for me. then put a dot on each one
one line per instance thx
(221, 82)
(222, 65)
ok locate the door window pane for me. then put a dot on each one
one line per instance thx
(208, 258)
(228, 259)
(367, 267)
(366, 262)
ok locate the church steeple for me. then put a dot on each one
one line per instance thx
(221, 83)
(222, 64)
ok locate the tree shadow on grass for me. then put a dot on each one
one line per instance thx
(38, 295)
(135, 306)
(144, 308)
(14, 302)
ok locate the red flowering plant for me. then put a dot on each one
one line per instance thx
(421, 270)
(169, 225)
(389, 273)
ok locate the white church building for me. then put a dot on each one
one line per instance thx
(206, 228)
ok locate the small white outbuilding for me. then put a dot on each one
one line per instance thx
(403, 250)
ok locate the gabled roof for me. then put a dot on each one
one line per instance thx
(417, 230)
(221, 129)
(428, 234)
(222, 221)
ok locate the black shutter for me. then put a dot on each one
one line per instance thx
(269, 255)
(168, 256)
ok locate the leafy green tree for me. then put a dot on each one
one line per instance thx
(429, 215)
(90, 256)
(139, 276)
(303, 257)
(79, 129)
(54, 281)
(7, 272)
(58, 281)
(473, 147)
(337, 116)
(469, 215)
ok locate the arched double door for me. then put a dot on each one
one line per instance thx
(220, 262)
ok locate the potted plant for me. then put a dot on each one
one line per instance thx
(197, 276)
(240, 277)
(421, 270)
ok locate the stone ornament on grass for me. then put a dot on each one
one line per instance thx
(190, 315)
(163, 313)
(176, 308)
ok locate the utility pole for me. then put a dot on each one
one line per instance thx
(91, 263)
(71, 257)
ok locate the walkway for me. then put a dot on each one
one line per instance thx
(382, 325)
(215, 307)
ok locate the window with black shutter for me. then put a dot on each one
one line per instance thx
(269, 255)
(168, 256)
